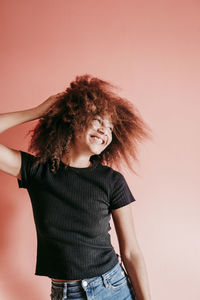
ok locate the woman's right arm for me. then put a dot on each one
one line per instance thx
(10, 159)
(11, 119)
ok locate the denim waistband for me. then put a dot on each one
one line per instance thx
(62, 284)
(93, 281)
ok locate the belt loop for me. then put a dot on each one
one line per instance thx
(64, 291)
(105, 281)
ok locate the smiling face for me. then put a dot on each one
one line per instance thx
(96, 137)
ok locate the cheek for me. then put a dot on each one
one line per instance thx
(110, 139)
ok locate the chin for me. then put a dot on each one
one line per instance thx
(96, 151)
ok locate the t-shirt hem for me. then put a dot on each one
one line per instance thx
(86, 276)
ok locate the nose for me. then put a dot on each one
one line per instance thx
(101, 129)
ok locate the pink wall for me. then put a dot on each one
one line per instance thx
(151, 50)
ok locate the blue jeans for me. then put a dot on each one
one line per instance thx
(114, 284)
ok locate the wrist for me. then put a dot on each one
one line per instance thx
(36, 112)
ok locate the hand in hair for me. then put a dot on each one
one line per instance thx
(45, 106)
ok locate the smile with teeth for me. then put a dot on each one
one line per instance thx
(97, 140)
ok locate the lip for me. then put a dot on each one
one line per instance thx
(100, 137)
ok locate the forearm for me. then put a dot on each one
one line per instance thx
(136, 269)
(11, 119)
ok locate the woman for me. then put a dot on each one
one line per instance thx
(74, 189)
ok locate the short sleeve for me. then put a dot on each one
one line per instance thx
(121, 194)
(27, 160)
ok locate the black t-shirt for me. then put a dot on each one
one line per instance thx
(71, 212)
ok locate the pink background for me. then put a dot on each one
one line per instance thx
(151, 50)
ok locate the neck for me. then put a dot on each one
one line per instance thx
(79, 163)
(78, 160)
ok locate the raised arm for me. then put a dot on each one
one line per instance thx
(10, 159)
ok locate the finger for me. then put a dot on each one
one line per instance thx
(59, 94)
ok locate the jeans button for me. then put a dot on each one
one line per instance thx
(84, 283)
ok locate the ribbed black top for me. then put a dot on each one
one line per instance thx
(71, 211)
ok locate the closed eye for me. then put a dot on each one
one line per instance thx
(99, 120)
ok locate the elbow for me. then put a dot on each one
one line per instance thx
(131, 254)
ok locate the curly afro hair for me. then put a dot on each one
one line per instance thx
(86, 97)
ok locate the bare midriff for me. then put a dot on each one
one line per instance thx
(63, 280)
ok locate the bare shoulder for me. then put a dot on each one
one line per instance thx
(10, 161)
